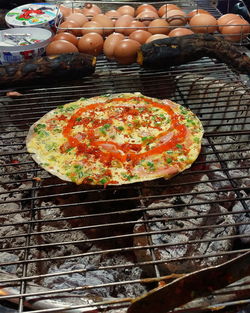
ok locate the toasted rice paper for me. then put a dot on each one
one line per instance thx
(116, 139)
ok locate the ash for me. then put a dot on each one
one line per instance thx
(187, 230)
(243, 218)
(81, 273)
(12, 236)
(86, 274)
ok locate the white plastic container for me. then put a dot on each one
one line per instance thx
(17, 44)
(42, 15)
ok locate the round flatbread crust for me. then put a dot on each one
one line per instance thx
(116, 139)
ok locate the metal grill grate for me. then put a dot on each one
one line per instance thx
(67, 248)
(94, 247)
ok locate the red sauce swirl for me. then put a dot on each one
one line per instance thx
(126, 151)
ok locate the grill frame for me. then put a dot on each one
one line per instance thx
(27, 173)
(35, 171)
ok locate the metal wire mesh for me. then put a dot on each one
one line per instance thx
(240, 37)
(75, 246)
(67, 248)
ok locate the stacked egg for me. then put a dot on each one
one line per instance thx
(233, 27)
(120, 33)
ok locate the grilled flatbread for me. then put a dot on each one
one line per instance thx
(116, 139)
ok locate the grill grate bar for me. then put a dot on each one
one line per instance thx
(106, 267)
(66, 290)
(25, 257)
(227, 172)
(234, 188)
(142, 208)
(61, 93)
(220, 104)
(162, 261)
(56, 244)
(147, 233)
(155, 186)
(139, 209)
(61, 223)
(14, 109)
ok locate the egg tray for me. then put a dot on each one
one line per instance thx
(186, 6)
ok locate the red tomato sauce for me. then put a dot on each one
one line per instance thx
(126, 151)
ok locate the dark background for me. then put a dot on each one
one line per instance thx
(235, 6)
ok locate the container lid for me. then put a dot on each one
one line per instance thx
(24, 38)
(33, 14)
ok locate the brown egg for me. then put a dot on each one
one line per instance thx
(236, 30)
(175, 17)
(91, 43)
(110, 43)
(224, 19)
(91, 9)
(180, 31)
(66, 36)
(78, 18)
(65, 10)
(59, 47)
(167, 7)
(106, 22)
(140, 35)
(145, 7)
(158, 26)
(147, 16)
(126, 51)
(196, 11)
(126, 10)
(123, 22)
(92, 27)
(77, 10)
(155, 37)
(203, 23)
(69, 27)
(113, 15)
(136, 25)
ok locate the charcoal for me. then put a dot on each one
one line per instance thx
(4, 309)
(244, 218)
(175, 232)
(87, 273)
(66, 241)
(8, 257)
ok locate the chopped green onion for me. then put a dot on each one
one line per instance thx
(141, 109)
(150, 165)
(147, 138)
(70, 149)
(39, 127)
(78, 167)
(103, 181)
(51, 146)
(104, 128)
(196, 140)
